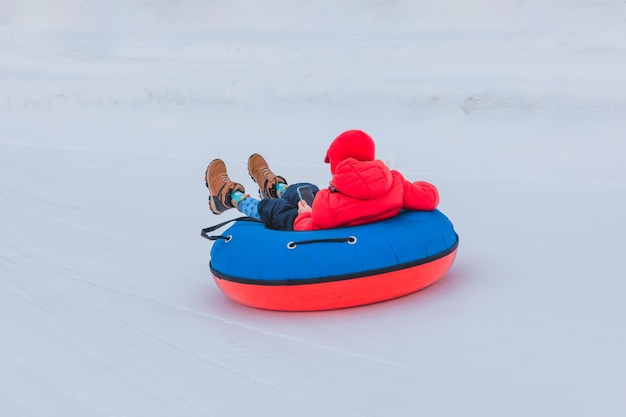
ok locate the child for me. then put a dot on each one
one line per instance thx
(362, 190)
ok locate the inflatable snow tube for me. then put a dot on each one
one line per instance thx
(330, 269)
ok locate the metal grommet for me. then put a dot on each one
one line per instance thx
(291, 245)
(352, 240)
(228, 238)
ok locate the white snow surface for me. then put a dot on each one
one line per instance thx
(111, 110)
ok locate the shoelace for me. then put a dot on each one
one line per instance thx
(224, 197)
(269, 175)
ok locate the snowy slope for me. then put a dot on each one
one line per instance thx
(110, 112)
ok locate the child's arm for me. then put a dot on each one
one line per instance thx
(419, 195)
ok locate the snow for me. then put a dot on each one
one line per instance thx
(110, 112)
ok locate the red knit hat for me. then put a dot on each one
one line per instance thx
(350, 144)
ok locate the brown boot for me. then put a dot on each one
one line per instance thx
(260, 172)
(220, 187)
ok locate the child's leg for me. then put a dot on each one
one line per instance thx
(277, 213)
(246, 204)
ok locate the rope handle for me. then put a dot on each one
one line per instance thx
(205, 232)
(351, 240)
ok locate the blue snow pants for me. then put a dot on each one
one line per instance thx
(280, 213)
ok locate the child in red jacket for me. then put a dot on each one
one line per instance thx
(362, 190)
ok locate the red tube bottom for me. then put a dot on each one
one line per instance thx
(338, 294)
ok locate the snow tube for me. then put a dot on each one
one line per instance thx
(330, 269)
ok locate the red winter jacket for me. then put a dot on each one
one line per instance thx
(364, 192)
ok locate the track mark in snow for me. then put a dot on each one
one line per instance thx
(56, 382)
(92, 353)
(14, 405)
(92, 229)
(185, 350)
(256, 329)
